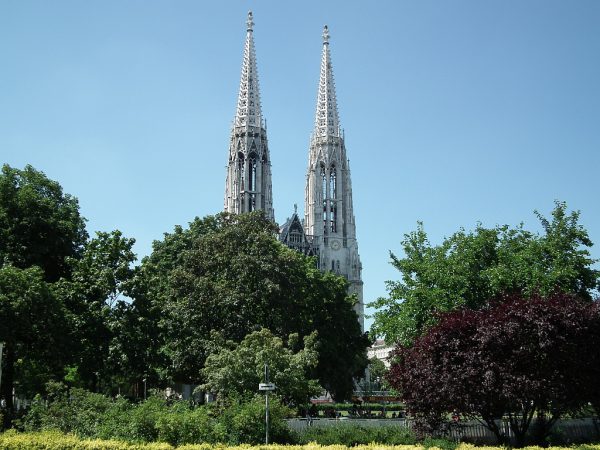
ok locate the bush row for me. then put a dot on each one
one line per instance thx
(350, 435)
(53, 440)
(364, 406)
(90, 415)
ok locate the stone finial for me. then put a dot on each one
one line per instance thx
(249, 22)
(325, 35)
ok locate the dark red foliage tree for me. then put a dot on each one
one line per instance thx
(519, 359)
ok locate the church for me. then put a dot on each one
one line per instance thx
(328, 228)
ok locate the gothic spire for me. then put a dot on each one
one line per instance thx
(326, 118)
(328, 212)
(248, 106)
(248, 184)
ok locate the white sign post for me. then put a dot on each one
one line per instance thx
(266, 387)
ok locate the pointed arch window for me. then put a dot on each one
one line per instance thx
(332, 182)
(333, 197)
(240, 170)
(264, 171)
(252, 203)
(324, 195)
(252, 167)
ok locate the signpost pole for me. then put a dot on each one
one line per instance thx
(267, 417)
(266, 406)
(267, 388)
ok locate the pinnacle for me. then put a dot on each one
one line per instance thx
(326, 118)
(249, 22)
(248, 111)
(325, 35)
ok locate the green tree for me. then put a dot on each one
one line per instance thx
(237, 369)
(469, 268)
(229, 273)
(100, 276)
(39, 224)
(43, 234)
(40, 231)
(134, 353)
(342, 345)
(378, 372)
(32, 325)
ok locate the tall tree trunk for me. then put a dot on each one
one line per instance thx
(498, 431)
(7, 382)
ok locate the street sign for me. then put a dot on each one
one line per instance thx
(266, 387)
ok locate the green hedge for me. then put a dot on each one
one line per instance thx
(364, 406)
(350, 435)
(53, 440)
(90, 415)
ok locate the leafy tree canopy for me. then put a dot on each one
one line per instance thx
(42, 234)
(469, 268)
(228, 273)
(521, 358)
(32, 326)
(237, 369)
(101, 274)
(377, 368)
(39, 224)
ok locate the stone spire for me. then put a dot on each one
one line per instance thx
(328, 210)
(248, 106)
(248, 184)
(326, 117)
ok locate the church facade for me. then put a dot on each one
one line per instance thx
(328, 228)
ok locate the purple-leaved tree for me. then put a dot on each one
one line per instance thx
(519, 359)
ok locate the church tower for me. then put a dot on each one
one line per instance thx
(248, 183)
(328, 214)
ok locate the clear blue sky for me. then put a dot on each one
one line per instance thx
(454, 111)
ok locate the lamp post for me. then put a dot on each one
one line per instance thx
(266, 387)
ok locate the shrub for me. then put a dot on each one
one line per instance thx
(245, 422)
(75, 411)
(350, 435)
(90, 415)
(143, 420)
(370, 406)
(54, 440)
(183, 425)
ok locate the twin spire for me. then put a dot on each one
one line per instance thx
(328, 230)
(327, 122)
(249, 109)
